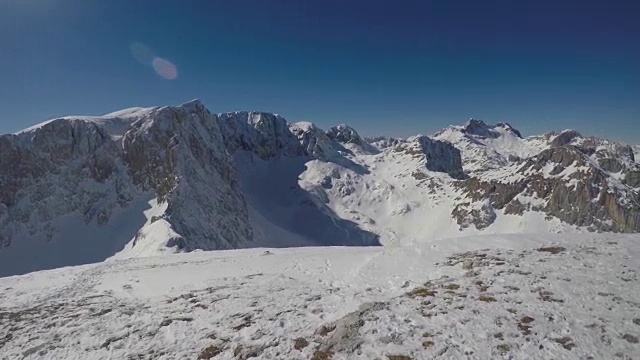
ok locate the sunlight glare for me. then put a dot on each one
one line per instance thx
(165, 68)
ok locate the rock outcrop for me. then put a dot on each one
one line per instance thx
(566, 184)
(76, 166)
(179, 178)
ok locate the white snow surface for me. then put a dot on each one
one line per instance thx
(490, 146)
(115, 123)
(488, 297)
(379, 193)
(302, 186)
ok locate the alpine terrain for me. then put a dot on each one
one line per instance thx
(148, 181)
(473, 243)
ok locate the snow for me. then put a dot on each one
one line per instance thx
(115, 123)
(491, 146)
(504, 296)
(387, 200)
(282, 214)
(153, 237)
(396, 273)
(251, 179)
(73, 241)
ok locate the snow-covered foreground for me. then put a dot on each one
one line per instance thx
(502, 296)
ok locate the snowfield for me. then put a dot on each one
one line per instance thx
(525, 296)
(175, 179)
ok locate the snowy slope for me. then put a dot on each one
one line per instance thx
(76, 176)
(403, 201)
(148, 181)
(115, 123)
(486, 147)
(491, 297)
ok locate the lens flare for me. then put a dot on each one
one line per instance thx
(146, 56)
(165, 68)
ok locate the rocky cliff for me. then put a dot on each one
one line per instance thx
(70, 175)
(144, 181)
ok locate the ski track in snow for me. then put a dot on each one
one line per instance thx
(489, 297)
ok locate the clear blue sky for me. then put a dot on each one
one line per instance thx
(385, 67)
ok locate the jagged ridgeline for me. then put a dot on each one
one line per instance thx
(145, 181)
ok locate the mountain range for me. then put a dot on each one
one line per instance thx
(146, 181)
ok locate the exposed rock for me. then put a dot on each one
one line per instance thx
(181, 160)
(564, 138)
(585, 197)
(81, 166)
(263, 133)
(180, 154)
(439, 156)
(480, 129)
(344, 335)
(314, 141)
(632, 178)
(345, 134)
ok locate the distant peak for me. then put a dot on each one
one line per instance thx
(480, 128)
(474, 122)
(508, 127)
(565, 137)
(193, 104)
(477, 127)
(344, 127)
(343, 133)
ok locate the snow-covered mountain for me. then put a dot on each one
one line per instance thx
(145, 181)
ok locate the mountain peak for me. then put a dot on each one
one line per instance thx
(480, 128)
(477, 127)
(474, 122)
(564, 137)
(509, 127)
(343, 133)
(194, 104)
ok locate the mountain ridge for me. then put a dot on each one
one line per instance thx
(144, 181)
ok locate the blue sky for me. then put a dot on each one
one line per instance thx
(384, 67)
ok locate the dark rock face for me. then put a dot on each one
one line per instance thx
(344, 134)
(63, 167)
(480, 129)
(74, 166)
(510, 128)
(263, 133)
(565, 138)
(439, 156)
(181, 156)
(632, 178)
(584, 197)
(315, 142)
(442, 157)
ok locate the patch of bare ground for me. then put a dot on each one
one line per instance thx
(399, 357)
(566, 342)
(210, 352)
(300, 344)
(421, 292)
(552, 249)
(322, 355)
